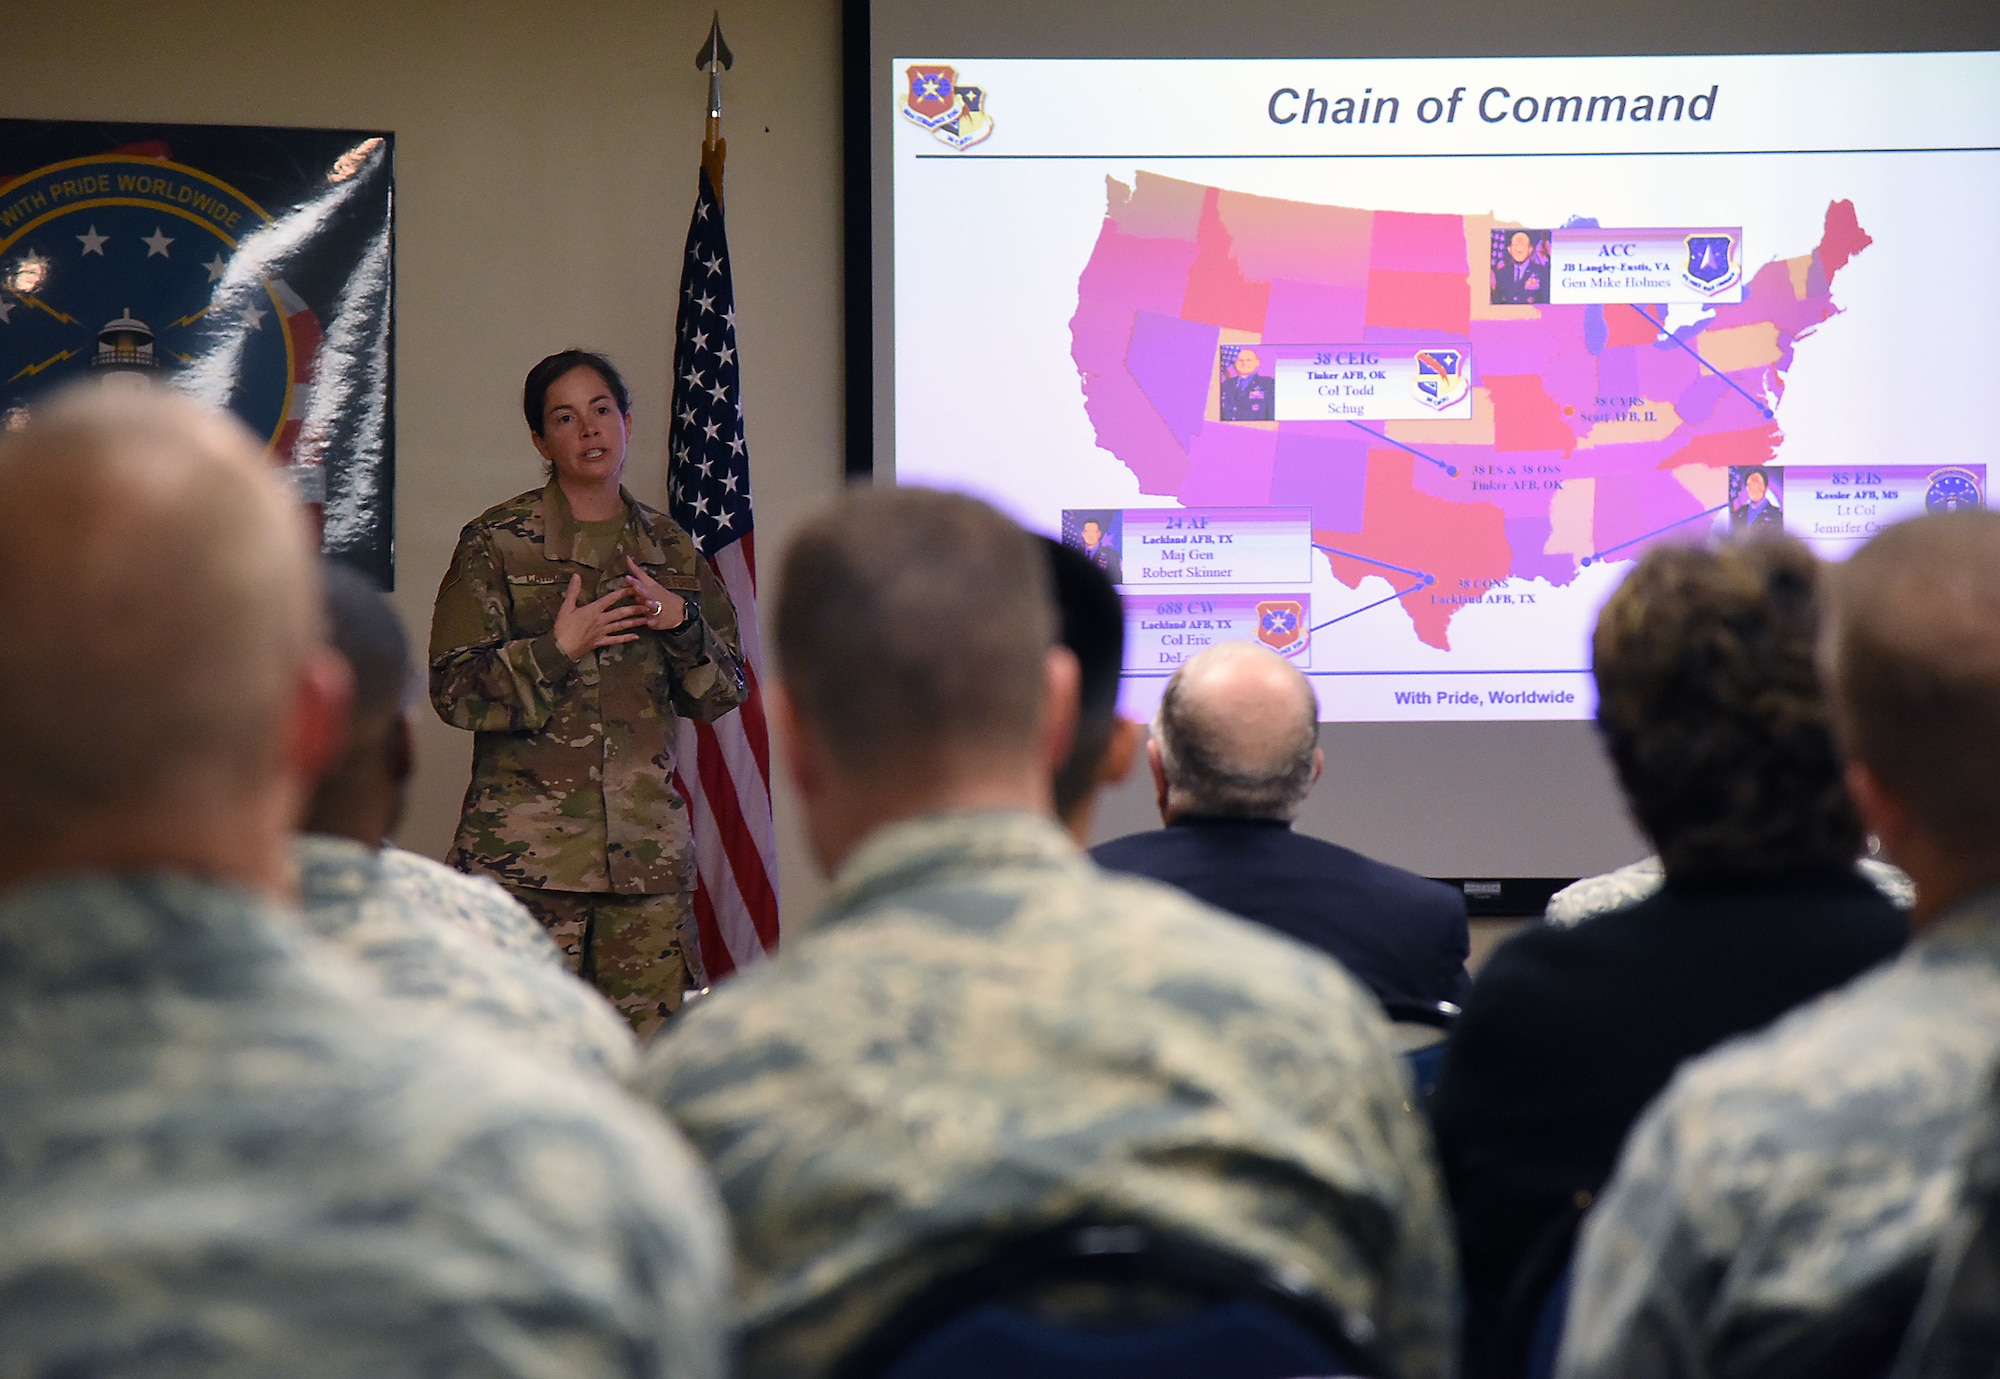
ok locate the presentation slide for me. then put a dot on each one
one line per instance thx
(1396, 366)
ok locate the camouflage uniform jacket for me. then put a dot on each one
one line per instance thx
(572, 763)
(471, 903)
(1786, 1177)
(421, 957)
(225, 1156)
(984, 1032)
(1614, 890)
(1956, 1333)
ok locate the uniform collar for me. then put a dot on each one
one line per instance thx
(105, 929)
(904, 855)
(1968, 930)
(334, 869)
(561, 530)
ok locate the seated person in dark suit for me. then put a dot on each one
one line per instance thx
(1235, 752)
(1712, 712)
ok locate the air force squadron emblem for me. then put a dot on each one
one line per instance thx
(1281, 625)
(1713, 263)
(1442, 378)
(933, 95)
(954, 114)
(125, 269)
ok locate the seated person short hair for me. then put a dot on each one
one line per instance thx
(1711, 710)
(1093, 627)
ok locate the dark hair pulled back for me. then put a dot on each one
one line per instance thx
(535, 393)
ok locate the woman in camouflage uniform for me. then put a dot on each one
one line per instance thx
(574, 629)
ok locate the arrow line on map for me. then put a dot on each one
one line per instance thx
(1422, 584)
(1450, 469)
(1371, 560)
(1678, 522)
(1749, 397)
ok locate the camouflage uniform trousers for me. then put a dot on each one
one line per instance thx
(641, 951)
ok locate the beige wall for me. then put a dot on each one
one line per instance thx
(545, 165)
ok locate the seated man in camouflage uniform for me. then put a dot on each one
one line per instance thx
(1091, 622)
(1774, 1210)
(428, 935)
(224, 1155)
(983, 1033)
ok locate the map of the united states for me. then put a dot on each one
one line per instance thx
(1591, 427)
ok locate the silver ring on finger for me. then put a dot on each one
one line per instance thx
(657, 606)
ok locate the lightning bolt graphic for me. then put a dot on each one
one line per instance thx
(41, 305)
(34, 369)
(188, 320)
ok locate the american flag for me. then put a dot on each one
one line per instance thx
(723, 769)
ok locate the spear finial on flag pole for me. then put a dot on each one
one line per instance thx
(714, 57)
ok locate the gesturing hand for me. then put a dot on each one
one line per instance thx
(585, 627)
(668, 610)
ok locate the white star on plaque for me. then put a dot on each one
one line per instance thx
(157, 242)
(93, 243)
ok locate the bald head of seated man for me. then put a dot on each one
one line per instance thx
(1235, 752)
(982, 1034)
(225, 1154)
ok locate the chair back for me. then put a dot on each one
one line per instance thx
(1420, 1031)
(1530, 1323)
(1545, 1340)
(1095, 1300)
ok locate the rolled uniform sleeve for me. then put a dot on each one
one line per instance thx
(479, 679)
(706, 656)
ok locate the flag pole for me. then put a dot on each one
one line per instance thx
(714, 57)
(722, 769)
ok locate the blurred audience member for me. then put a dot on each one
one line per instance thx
(427, 934)
(223, 1156)
(1774, 1210)
(1710, 706)
(1091, 621)
(1234, 752)
(983, 1033)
